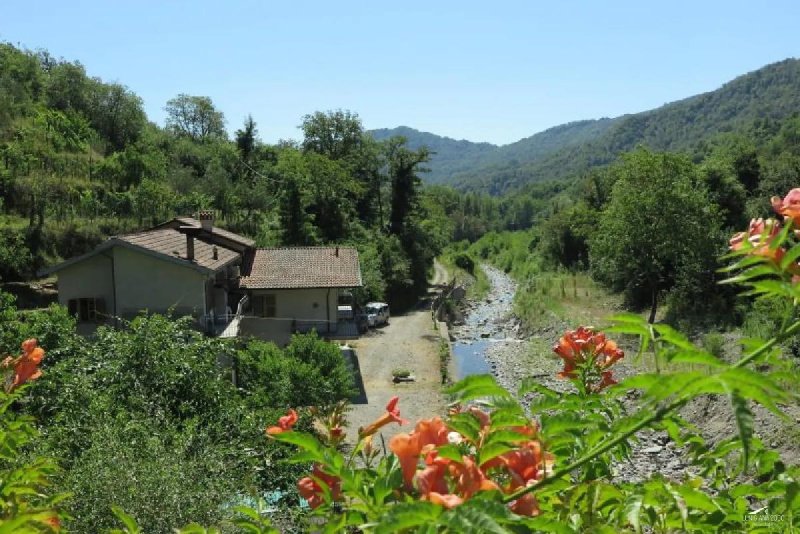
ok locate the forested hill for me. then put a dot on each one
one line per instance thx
(449, 157)
(456, 158)
(770, 93)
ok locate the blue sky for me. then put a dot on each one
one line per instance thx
(492, 71)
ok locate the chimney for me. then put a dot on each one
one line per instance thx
(337, 252)
(191, 232)
(214, 253)
(206, 220)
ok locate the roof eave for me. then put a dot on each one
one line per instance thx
(112, 242)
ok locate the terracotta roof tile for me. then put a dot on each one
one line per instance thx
(172, 243)
(301, 267)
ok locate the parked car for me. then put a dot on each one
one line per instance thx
(377, 313)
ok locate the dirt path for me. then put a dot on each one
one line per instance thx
(440, 275)
(407, 342)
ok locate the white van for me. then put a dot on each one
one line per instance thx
(377, 313)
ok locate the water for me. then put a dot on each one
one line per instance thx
(469, 358)
(483, 325)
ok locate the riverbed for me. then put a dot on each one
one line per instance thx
(490, 340)
(487, 324)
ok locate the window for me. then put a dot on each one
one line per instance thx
(264, 306)
(86, 309)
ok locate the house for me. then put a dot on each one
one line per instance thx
(190, 267)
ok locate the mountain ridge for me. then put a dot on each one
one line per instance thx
(769, 93)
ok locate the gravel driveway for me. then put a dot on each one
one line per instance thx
(407, 342)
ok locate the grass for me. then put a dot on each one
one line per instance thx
(480, 287)
(444, 361)
(563, 296)
(477, 283)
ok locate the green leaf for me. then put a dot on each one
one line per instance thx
(508, 418)
(694, 356)
(477, 516)
(744, 422)
(680, 503)
(660, 386)
(451, 452)
(790, 257)
(506, 436)
(477, 387)
(754, 386)
(633, 511)
(673, 337)
(465, 424)
(696, 499)
(531, 385)
(302, 440)
(558, 424)
(629, 318)
(547, 524)
(493, 450)
(408, 515)
(130, 523)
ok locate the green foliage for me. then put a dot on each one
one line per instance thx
(195, 117)
(15, 256)
(308, 372)
(174, 484)
(714, 343)
(656, 231)
(155, 403)
(757, 98)
(565, 237)
(27, 505)
(464, 261)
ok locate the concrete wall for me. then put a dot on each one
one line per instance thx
(303, 304)
(279, 332)
(90, 278)
(145, 282)
(294, 308)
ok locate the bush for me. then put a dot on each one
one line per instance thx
(161, 477)
(464, 261)
(714, 343)
(309, 371)
(15, 256)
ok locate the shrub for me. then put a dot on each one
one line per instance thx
(464, 261)
(714, 343)
(309, 371)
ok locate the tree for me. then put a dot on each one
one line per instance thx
(403, 167)
(195, 117)
(246, 139)
(116, 113)
(335, 134)
(565, 236)
(296, 229)
(659, 226)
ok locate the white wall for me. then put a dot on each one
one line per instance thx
(146, 282)
(90, 278)
(299, 304)
(293, 308)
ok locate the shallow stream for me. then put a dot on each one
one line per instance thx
(485, 322)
